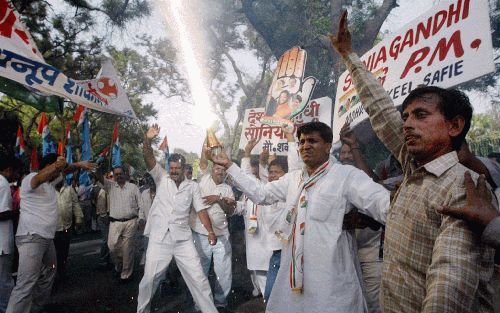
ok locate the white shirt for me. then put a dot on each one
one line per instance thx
(6, 227)
(271, 217)
(332, 277)
(38, 208)
(171, 207)
(145, 204)
(217, 215)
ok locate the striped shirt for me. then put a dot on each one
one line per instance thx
(432, 262)
(123, 201)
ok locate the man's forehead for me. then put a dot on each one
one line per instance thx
(313, 134)
(175, 164)
(427, 101)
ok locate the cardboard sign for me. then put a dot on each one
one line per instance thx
(272, 136)
(444, 47)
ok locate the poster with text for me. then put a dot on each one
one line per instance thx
(272, 136)
(446, 46)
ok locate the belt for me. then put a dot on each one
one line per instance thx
(112, 219)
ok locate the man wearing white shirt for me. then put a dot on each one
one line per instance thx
(9, 172)
(319, 268)
(169, 232)
(213, 190)
(35, 234)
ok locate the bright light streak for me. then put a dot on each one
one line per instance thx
(202, 112)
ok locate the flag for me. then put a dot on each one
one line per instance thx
(34, 165)
(21, 61)
(104, 153)
(79, 114)
(86, 150)
(43, 130)
(60, 148)
(20, 145)
(69, 154)
(108, 88)
(166, 151)
(116, 159)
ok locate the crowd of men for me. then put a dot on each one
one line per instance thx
(417, 234)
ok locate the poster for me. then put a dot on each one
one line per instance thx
(446, 46)
(289, 91)
(272, 136)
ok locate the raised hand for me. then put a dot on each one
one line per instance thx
(219, 159)
(264, 156)
(249, 147)
(153, 131)
(347, 136)
(288, 131)
(342, 42)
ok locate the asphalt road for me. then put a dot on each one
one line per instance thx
(88, 288)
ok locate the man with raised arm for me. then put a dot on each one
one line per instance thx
(319, 269)
(35, 234)
(169, 232)
(432, 262)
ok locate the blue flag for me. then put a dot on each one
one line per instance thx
(69, 155)
(116, 157)
(86, 151)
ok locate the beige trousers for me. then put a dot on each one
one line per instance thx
(122, 246)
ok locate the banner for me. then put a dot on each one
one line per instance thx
(21, 61)
(444, 47)
(107, 87)
(273, 137)
(289, 92)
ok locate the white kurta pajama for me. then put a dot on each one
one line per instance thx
(170, 237)
(331, 281)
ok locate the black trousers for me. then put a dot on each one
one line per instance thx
(61, 242)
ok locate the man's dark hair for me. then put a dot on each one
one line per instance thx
(10, 161)
(280, 162)
(452, 103)
(324, 130)
(176, 157)
(188, 167)
(47, 160)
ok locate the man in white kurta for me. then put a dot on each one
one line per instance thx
(169, 232)
(331, 280)
(213, 190)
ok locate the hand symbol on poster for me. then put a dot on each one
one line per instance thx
(289, 93)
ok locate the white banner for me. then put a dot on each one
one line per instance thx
(108, 88)
(444, 47)
(21, 61)
(272, 136)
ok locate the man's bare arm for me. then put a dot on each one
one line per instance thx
(147, 150)
(48, 173)
(205, 221)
